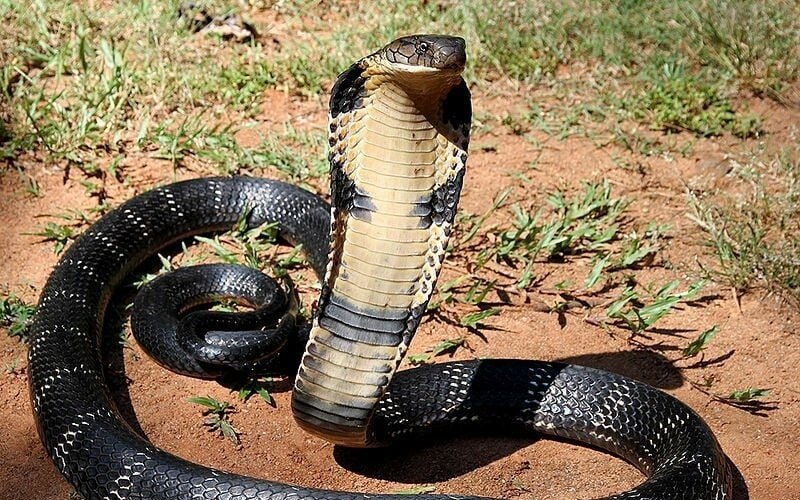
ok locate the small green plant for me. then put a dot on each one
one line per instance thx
(166, 266)
(244, 245)
(473, 319)
(260, 386)
(636, 315)
(13, 366)
(474, 223)
(447, 346)
(59, 234)
(217, 416)
(748, 395)
(16, 315)
(638, 247)
(30, 184)
(750, 399)
(696, 346)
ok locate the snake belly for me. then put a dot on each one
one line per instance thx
(397, 157)
(384, 253)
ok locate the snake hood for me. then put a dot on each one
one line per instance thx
(399, 131)
(424, 65)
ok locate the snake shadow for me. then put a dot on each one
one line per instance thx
(113, 345)
(447, 457)
(430, 460)
(643, 365)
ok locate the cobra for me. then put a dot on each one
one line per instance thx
(399, 127)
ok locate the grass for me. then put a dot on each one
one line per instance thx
(260, 386)
(59, 234)
(753, 231)
(571, 225)
(696, 346)
(249, 246)
(637, 314)
(75, 79)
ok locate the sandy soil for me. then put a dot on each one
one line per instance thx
(757, 345)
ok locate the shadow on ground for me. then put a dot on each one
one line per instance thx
(646, 366)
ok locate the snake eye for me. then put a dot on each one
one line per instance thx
(422, 47)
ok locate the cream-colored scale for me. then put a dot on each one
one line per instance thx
(390, 254)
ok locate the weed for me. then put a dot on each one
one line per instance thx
(16, 315)
(700, 343)
(59, 234)
(636, 315)
(13, 366)
(476, 223)
(578, 224)
(448, 346)
(754, 232)
(245, 245)
(639, 247)
(748, 395)
(30, 184)
(217, 416)
(260, 386)
(472, 320)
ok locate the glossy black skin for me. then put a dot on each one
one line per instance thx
(172, 323)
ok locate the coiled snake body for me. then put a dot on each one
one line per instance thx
(399, 130)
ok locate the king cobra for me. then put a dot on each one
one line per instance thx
(399, 128)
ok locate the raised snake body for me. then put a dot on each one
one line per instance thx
(387, 238)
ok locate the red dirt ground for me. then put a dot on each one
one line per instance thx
(757, 345)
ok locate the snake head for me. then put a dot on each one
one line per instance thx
(420, 52)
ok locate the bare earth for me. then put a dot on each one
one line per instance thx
(757, 345)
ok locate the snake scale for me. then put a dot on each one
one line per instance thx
(399, 127)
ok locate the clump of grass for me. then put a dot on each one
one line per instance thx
(637, 313)
(748, 395)
(248, 246)
(447, 346)
(679, 102)
(59, 234)
(16, 315)
(699, 344)
(754, 41)
(578, 224)
(260, 386)
(754, 232)
(298, 155)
